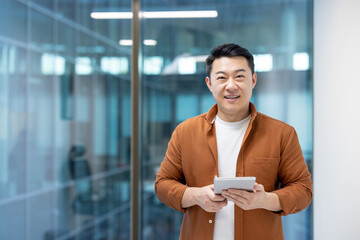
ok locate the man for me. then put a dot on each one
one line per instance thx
(233, 140)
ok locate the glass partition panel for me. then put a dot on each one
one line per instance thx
(278, 33)
(65, 120)
(13, 126)
(13, 20)
(44, 3)
(42, 33)
(65, 105)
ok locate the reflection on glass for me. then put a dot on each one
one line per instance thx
(64, 126)
(66, 40)
(279, 34)
(14, 121)
(39, 130)
(14, 13)
(66, 8)
(41, 31)
(40, 211)
(44, 3)
(83, 11)
(11, 226)
(67, 91)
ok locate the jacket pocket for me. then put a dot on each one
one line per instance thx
(265, 169)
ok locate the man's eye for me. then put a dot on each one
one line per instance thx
(240, 76)
(221, 78)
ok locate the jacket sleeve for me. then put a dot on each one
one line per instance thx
(295, 191)
(170, 181)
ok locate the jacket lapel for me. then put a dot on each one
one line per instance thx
(211, 135)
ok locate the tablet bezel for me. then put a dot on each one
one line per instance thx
(224, 183)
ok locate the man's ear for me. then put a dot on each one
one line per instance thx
(254, 80)
(208, 83)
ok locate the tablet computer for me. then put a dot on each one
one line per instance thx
(224, 183)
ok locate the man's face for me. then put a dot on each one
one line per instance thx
(231, 83)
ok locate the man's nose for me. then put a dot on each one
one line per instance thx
(231, 84)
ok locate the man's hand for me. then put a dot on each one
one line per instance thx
(253, 200)
(204, 197)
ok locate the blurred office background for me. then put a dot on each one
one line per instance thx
(65, 108)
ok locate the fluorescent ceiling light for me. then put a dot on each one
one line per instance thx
(180, 14)
(184, 64)
(52, 64)
(187, 65)
(156, 15)
(153, 65)
(263, 62)
(126, 42)
(129, 42)
(150, 42)
(301, 61)
(200, 58)
(111, 15)
(115, 65)
(83, 66)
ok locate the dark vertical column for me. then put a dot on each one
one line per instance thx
(135, 176)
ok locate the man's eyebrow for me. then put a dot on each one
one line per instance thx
(240, 70)
(236, 71)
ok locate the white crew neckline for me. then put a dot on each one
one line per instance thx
(232, 124)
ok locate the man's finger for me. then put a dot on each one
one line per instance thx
(259, 187)
(238, 192)
(237, 201)
(217, 198)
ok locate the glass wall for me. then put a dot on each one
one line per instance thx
(65, 105)
(65, 121)
(278, 33)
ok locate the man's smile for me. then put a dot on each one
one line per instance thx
(231, 96)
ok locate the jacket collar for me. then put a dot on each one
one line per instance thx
(211, 114)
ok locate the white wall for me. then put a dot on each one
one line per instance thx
(336, 119)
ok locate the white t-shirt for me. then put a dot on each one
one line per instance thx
(229, 137)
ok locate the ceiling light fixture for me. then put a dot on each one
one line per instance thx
(156, 14)
(126, 42)
(129, 42)
(150, 42)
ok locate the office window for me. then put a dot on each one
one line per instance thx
(274, 31)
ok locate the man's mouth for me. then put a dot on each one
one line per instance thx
(231, 97)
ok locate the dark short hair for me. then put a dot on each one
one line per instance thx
(229, 50)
